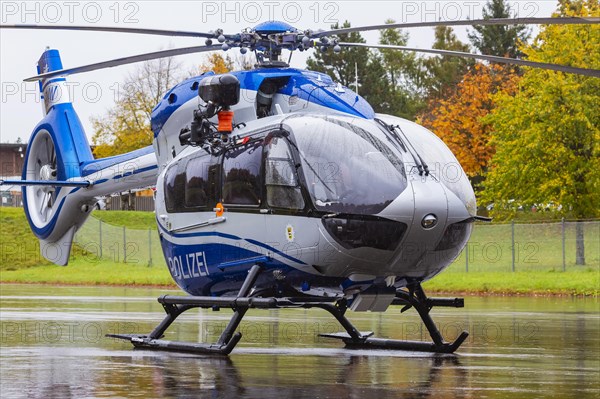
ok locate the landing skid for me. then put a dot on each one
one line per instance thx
(176, 305)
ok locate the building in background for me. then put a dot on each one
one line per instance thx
(12, 157)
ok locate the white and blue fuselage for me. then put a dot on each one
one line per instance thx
(328, 196)
(347, 212)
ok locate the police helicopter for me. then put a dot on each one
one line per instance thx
(275, 187)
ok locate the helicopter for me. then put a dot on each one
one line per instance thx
(275, 187)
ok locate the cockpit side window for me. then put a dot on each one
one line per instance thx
(281, 179)
(241, 175)
(196, 185)
(174, 188)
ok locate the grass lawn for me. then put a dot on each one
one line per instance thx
(133, 220)
(585, 282)
(80, 272)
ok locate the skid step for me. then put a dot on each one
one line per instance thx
(344, 335)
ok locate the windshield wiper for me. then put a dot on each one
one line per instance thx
(388, 129)
(421, 165)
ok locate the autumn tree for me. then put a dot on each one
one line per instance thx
(459, 119)
(219, 62)
(499, 40)
(547, 135)
(126, 126)
(216, 63)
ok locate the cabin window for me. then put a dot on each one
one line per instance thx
(283, 189)
(192, 188)
(174, 189)
(241, 175)
(196, 185)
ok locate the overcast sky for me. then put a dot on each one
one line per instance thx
(94, 92)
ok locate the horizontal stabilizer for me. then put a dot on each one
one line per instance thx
(52, 183)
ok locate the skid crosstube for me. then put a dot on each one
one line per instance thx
(176, 305)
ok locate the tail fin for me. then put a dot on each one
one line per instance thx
(58, 150)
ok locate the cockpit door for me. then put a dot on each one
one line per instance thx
(243, 233)
(289, 232)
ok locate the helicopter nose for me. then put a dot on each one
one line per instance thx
(429, 218)
(427, 209)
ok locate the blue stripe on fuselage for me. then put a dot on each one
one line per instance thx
(230, 237)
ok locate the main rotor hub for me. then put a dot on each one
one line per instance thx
(269, 38)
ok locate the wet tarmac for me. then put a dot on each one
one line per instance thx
(53, 346)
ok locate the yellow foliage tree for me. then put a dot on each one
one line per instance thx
(217, 63)
(458, 119)
(126, 126)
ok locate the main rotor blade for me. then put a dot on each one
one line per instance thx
(159, 32)
(493, 58)
(124, 61)
(491, 21)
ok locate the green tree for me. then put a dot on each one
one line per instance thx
(404, 95)
(443, 73)
(344, 66)
(547, 135)
(386, 78)
(377, 89)
(499, 40)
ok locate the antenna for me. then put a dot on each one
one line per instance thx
(356, 76)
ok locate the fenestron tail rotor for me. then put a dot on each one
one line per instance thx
(41, 166)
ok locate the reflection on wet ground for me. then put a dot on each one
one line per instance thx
(53, 345)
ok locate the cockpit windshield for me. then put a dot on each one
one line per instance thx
(347, 167)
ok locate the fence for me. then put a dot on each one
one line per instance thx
(492, 247)
(529, 247)
(141, 203)
(119, 243)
